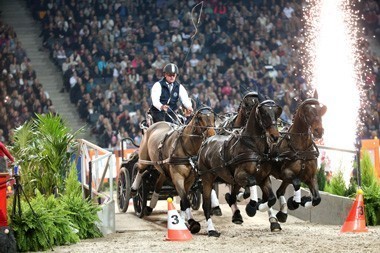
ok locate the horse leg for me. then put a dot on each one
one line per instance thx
(295, 201)
(244, 195)
(274, 217)
(309, 202)
(179, 184)
(231, 200)
(206, 205)
(136, 183)
(156, 193)
(282, 215)
(251, 207)
(273, 220)
(215, 209)
(268, 198)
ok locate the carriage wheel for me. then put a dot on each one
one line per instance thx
(140, 200)
(195, 195)
(123, 190)
(195, 198)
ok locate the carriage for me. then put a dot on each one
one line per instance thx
(308, 116)
(128, 172)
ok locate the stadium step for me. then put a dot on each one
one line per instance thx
(16, 14)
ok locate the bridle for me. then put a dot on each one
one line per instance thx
(265, 103)
(202, 112)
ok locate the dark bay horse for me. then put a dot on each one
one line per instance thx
(225, 125)
(169, 147)
(296, 159)
(239, 120)
(240, 160)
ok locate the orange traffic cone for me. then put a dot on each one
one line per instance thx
(355, 221)
(177, 230)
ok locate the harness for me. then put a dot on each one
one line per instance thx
(310, 153)
(251, 156)
(172, 159)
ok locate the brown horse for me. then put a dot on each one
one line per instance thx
(240, 160)
(296, 159)
(225, 125)
(239, 120)
(169, 149)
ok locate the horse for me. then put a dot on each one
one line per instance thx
(239, 120)
(295, 160)
(240, 160)
(169, 148)
(225, 123)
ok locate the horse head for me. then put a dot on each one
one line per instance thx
(267, 113)
(249, 100)
(203, 122)
(311, 112)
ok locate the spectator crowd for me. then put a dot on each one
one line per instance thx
(111, 52)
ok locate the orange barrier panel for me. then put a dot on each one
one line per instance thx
(119, 158)
(373, 148)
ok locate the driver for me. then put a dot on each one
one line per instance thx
(165, 94)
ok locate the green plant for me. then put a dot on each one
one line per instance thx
(337, 185)
(44, 147)
(371, 189)
(82, 212)
(57, 221)
(48, 225)
(352, 188)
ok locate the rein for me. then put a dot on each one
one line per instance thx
(245, 157)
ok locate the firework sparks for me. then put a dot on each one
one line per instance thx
(332, 35)
(335, 68)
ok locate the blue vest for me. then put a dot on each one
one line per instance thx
(166, 94)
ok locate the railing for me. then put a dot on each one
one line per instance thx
(96, 165)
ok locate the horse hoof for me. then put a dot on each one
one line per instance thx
(251, 208)
(292, 205)
(246, 194)
(237, 218)
(195, 226)
(216, 211)
(230, 199)
(275, 227)
(213, 233)
(148, 210)
(227, 197)
(304, 200)
(133, 192)
(282, 217)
